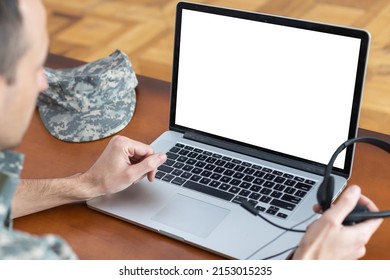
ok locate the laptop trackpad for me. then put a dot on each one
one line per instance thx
(191, 215)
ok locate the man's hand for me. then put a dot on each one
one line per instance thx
(122, 163)
(328, 239)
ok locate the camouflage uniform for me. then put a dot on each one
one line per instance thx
(16, 244)
(91, 101)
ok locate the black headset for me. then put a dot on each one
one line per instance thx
(326, 190)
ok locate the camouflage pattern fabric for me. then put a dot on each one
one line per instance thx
(15, 245)
(89, 102)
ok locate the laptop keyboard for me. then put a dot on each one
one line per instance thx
(270, 191)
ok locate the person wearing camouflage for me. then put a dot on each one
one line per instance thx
(23, 50)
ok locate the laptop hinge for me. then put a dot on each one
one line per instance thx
(263, 155)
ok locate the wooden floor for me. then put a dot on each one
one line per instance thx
(91, 29)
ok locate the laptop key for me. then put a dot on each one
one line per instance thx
(235, 182)
(182, 159)
(215, 176)
(159, 174)
(178, 181)
(205, 181)
(244, 193)
(174, 150)
(220, 162)
(253, 202)
(255, 196)
(168, 178)
(281, 215)
(265, 199)
(248, 178)
(230, 165)
(280, 180)
(192, 155)
(268, 184)
(269, 177)
(282, 204)
(176, 172)
(276, 194)
(200, 164)
(195, 178)
(178, 165)
(245, 185)
(300, 193)
(291, 199)
(310, 182)
(290, 183)
(299, 179)
(214, 184)
(234, 190)
(201, 157)
(249, 171)
(265, 169)
(303, 187)
(289, 190)
(258, 181)
(186, 175)
(172, 156)
(196, 170)
(207, 190)
(239, 168)
(219, 170)
(238, 175)
(169, 162)
(209, 167)
(260, 208)
(184, 152)
(288, 176)
(255, 188)
(228, 172)
(165, 168)
(187, 167)
(271, 211)
(224, 187)
(225, 179)
(279, 187)
(191, 161)
(239, 199)
(206, 173)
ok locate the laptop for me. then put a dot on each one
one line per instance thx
(259, 103)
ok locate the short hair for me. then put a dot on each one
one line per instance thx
(13, 42)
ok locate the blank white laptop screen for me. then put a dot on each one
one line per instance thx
(280, 88)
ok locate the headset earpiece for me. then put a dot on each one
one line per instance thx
(325, 193)
(326, 190)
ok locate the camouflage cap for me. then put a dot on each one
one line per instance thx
(89, 102)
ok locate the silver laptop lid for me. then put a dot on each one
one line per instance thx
(282, 89)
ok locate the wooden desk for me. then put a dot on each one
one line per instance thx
(94, 235)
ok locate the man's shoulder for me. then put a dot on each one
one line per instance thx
(16, 245)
